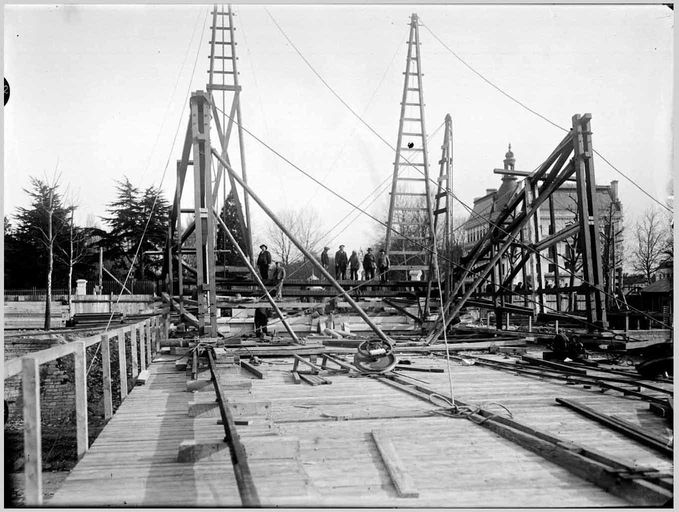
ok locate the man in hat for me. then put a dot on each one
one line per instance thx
(325, 258)
(263, 262)
(341, 261)
(383, 264)
(369, 264)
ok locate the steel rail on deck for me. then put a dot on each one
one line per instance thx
(239, 459)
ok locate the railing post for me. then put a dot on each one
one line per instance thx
(106, 376)
(142, 347)
(157, 334)
(122, 364)
(30, 382)
(81, 398)
(147, 336)
(133, 348)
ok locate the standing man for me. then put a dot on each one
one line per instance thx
(354, 265)
(325, 258)
(369, 264)
(341, 261)
(279, 276)
(383, 264)
(263, 262)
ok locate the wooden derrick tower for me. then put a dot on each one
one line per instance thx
(410, 233)
(191, 247)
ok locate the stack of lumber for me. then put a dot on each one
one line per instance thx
(31, 315)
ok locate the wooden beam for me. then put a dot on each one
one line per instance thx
(81, 398)
(122, 365)
(106, 376)
(30, 382)
(250, 368)
(142, 347)
(619, 425)
(134, 350)
(403, 482)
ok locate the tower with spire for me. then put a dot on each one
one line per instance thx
(509, 160)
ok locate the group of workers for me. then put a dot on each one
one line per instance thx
(371, 263)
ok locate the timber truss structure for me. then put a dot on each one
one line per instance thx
(517, 226)
(204, 170)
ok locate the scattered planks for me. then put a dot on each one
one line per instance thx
(647, 487)
(619, 425)
(403, 482)
(250, 368)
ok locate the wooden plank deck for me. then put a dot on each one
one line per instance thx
(451, 462)
(133, 461)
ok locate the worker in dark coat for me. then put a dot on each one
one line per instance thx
(278, 277)
(369, 264)
(341, 261)
(383, 265)
(263, 262)
(325, 258)
(354, 265)
(261, 322)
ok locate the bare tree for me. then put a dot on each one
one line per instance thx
(304, 226)
(649, 243)
(74, 254)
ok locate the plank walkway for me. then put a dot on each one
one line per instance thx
(133, 462)
(314, 445)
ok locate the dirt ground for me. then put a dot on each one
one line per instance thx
(14, 486)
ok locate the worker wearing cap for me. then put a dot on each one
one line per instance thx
(278, 277)
(263, 262)
(383, 264)
(369, 264)
(341, 261)
(325, 258)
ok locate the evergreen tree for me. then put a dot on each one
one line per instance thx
(128, 217)
(229, 215)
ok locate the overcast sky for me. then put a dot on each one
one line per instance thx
(102, 89)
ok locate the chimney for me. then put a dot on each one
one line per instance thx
(614, 190)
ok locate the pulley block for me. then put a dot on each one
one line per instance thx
(375, 356)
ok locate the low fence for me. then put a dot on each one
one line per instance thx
(145, 342)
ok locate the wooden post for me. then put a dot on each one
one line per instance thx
(30, 381)
(106, 376)
(101, 270)
(81, 398)
(133, 348)
(156, 333)
(147, 342)
(556, 326)
(122, 364)
(142, 347)
(530, 323)
(626, 322)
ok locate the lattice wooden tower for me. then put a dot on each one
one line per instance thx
(410, 204)
(225, 90)
(443, 211)
(191, 245)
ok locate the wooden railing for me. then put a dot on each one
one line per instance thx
(147, 333)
